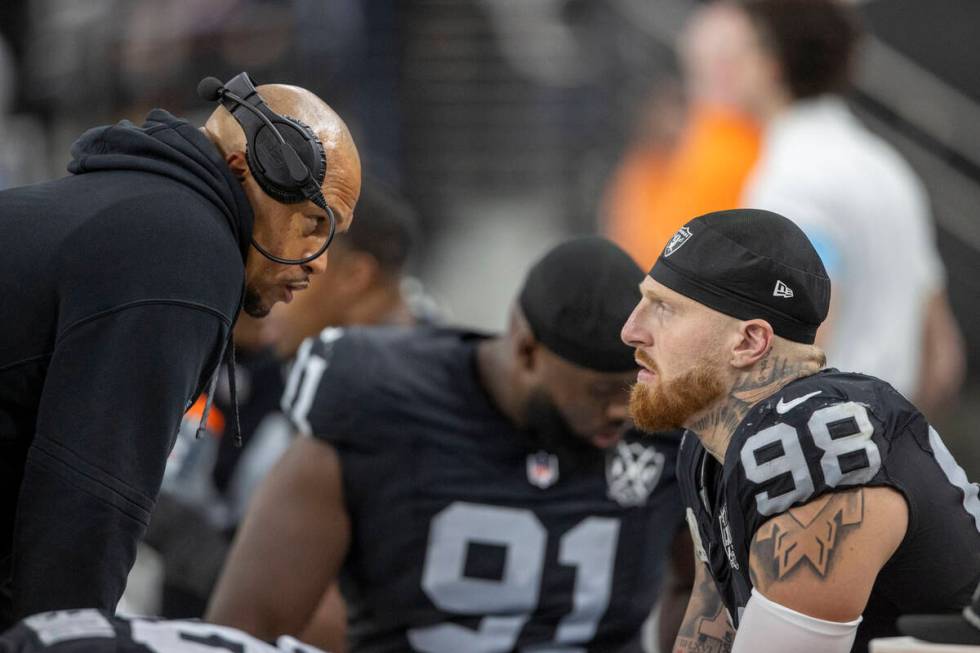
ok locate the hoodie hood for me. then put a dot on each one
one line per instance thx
(168, 146)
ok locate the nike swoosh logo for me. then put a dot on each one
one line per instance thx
(784, 407)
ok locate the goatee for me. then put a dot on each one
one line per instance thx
(669, 404)
(547, 429)
(252, 305)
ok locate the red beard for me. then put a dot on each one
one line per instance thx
(668, 404)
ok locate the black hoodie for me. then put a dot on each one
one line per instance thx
(119, 285)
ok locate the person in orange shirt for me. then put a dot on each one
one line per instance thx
(658, 187)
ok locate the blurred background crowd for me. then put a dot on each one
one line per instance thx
(510, 124)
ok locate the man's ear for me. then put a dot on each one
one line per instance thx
(753, 342)
(238, 164)
(522, 339)
(526, 350)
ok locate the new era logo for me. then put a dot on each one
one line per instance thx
(782, 290)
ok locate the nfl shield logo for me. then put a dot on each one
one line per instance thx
(677, 241)
(542, 469)
(632, 472)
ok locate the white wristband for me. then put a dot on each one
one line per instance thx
(767, 627)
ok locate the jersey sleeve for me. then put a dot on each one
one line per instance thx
(115, 390)
(817, 439)
(326, 392)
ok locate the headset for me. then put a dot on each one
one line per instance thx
(285, 156)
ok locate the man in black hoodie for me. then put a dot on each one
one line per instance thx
(119, 286)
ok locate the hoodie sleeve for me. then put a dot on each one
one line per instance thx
(148, 292)
(109, 412)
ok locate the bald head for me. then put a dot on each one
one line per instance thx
(343, 162)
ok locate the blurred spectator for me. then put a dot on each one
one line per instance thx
(656, 188)
(85, 61)
(852, 193)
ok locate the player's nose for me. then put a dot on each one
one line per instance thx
(317, 265)
(632, 334)
(617, 412)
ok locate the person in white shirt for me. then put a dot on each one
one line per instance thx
(854, 196)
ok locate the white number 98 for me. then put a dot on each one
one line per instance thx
(842, 431)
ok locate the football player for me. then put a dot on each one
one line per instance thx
(99, 631)
(473, 493)
(822, 504)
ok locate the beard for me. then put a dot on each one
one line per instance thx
(669, 404)
(549, 430)
(252, 305)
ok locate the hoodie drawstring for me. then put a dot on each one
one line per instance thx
(233, 391)
(226, 356)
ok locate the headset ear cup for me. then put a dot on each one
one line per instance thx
(318, 158)
(259, 164)
(270, 170)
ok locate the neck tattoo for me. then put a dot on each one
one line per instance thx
(715, 426)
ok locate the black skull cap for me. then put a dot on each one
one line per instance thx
(576, 299)
(749, 263)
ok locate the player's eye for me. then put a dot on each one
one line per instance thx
(315, 223)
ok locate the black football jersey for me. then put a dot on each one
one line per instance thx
(98, 631)
(465, 537)
(826, 432)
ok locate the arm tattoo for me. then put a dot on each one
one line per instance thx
(706, 628)
(804, 538)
